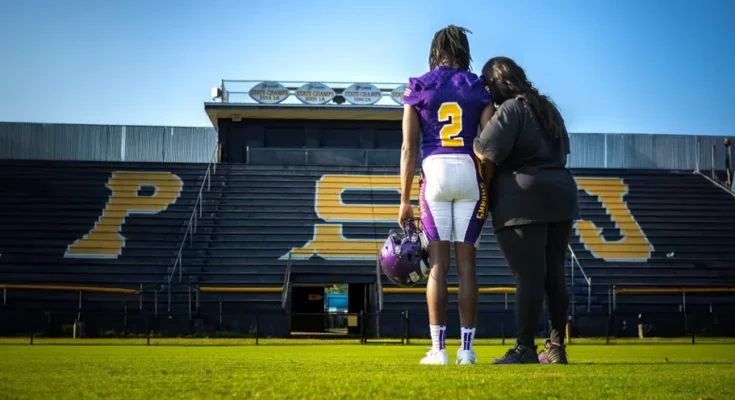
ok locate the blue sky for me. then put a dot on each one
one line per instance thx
(632, 66)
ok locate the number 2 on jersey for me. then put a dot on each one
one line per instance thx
(448, 134)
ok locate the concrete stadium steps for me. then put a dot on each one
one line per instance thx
(136, 211)
(677, 212)
(688, 223)
(252, 217)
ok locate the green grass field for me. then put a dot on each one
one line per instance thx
(354, 371)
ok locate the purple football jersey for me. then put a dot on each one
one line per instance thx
(449, 102)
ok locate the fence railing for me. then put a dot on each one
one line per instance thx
(681, 314)
(683, 291)
(379, 282)
(191, 225)
(713, 173)
(127, 313)
(238, 91)
(250, 327)
(135, 313)
(575, 262)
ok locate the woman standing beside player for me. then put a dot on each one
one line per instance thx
(533, 201)
(444, 108)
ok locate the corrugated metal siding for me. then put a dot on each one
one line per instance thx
(185, 144)
(59, 142)
(106, 143)
(144, 143)
(16, 141)
(189, 144)
(675, 152)
(705, 152)
(587, 150)
(85, 142)
(651, 151)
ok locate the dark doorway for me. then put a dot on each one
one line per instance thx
(356, 300)
(330, 309)
(307, 309)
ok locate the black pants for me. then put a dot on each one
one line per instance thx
(536, 255)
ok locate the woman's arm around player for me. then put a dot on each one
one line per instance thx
(488, 168)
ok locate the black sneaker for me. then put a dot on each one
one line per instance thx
(553, 354)
(519, 355)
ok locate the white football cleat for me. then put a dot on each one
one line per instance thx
(435, 357)
(466, 357)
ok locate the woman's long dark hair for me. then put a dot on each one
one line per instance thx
(451, 44)
(507, 80)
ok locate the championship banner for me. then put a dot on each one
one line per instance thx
(315, 93)
(397, 94)
(269, 93)
(363, 94)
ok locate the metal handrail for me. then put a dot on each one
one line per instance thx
(292, 86)
(587, 279)
(296, 84)
(576, 261)
(191, 226)
(286, 283)
(379, 283)
(716, 183)
(713, 178)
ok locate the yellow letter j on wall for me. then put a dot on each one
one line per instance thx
(634, 245)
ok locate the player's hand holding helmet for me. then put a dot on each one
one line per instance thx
(403, 257)
(405, 213)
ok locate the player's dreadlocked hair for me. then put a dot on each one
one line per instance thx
(451, 44)
(507, 80)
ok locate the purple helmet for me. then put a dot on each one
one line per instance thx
(403, 257)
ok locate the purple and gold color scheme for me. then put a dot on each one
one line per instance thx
(449, 102)
(403, 257)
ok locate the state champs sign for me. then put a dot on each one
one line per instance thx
(269, 93)
(362, 94)
(317, 93)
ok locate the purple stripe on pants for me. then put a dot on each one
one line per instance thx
(428, 226)
(479, 215)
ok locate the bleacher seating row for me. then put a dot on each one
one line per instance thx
(121, 225)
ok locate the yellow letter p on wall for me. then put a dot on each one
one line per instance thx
(105, 240)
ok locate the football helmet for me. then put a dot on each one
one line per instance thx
(403, 257)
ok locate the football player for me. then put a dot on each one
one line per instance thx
(442, 112)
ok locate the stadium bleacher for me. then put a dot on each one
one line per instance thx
(93, 225)
(108, 225)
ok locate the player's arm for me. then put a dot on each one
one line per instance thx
(409, 151)
(488, 169)
(487, 114)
